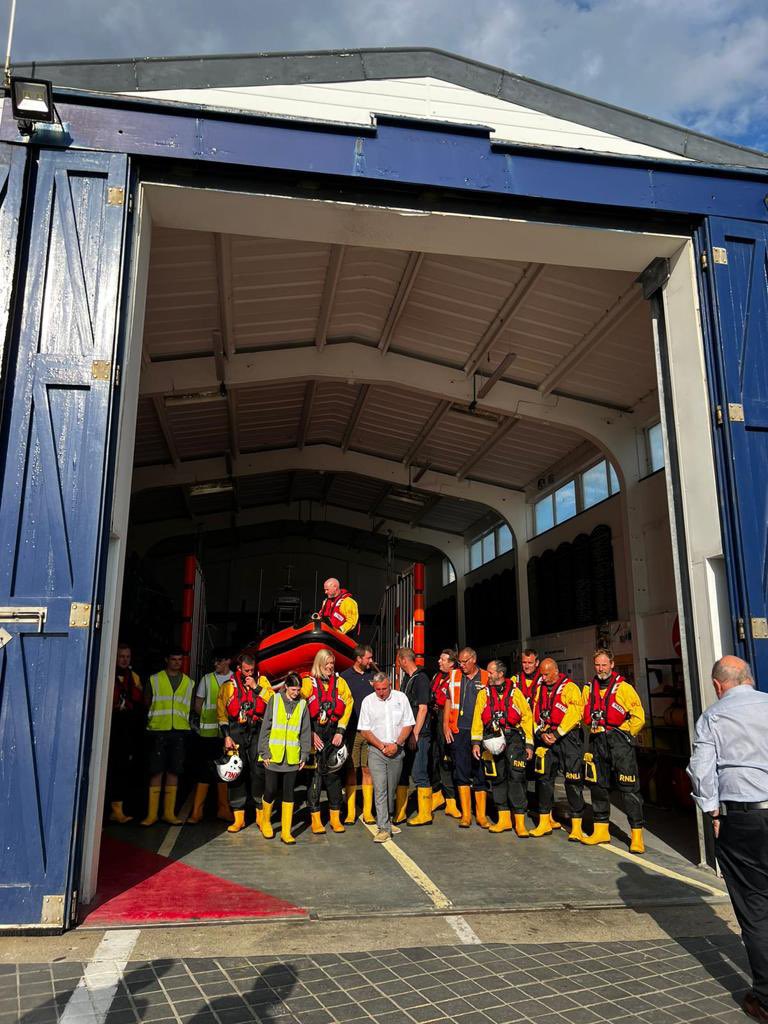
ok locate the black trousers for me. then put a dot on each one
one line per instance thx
(441, 768)
(124, 760)
(251, 780)
(321, 777)
(563, 758)
(467, 770)
(509, 786)
(615, 764)
(742, 851)
(276, 783)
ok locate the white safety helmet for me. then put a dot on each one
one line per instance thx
(336, 758)
(229, 767)
(495, 744)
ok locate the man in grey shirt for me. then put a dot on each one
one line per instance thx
(729, 773)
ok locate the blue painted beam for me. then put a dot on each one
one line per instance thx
(407, 152)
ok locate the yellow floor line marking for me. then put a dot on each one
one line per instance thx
(645, 863)
(414, 872)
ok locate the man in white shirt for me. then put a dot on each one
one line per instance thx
(385, 721)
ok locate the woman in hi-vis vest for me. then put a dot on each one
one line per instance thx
(284, 745)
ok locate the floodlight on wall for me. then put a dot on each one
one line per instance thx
(32, 102)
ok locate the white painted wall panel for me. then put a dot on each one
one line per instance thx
(429, 98)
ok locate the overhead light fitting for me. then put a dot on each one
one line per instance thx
(195, 397)
(32, 102)
(407, 497)
(214, 487)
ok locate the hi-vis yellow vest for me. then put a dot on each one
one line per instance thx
(169, 709)
(209, 721)
(284, 735)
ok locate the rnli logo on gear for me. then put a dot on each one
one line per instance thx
(518, 764)
(573, 775)
(627, 778)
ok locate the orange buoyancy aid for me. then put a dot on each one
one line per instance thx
(549, 708)
(454, 693)
(602, 711)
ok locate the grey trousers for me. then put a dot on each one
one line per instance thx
(385, 772)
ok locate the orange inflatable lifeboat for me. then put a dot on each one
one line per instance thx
(294, 649)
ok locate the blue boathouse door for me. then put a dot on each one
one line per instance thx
(736, 258)
(54, 476)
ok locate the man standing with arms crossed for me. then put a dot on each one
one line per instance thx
(729, 775)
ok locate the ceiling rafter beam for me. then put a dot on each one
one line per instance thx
(165, 430)
(623, 307)
(404, 288)
(328, 482)
(503, 315)
(332, 274)
(310, 393)
(220, 361)
(423, 435)
(497, 374)
(354, 416)
(223, 244)
(381, 497)
(500, 432)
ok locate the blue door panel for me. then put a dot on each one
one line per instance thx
(52, 507)
(739, 292)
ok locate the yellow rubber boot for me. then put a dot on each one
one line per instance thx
(504, 824)
(259, 816)
(201, 792)
(575, 835)
(637, 844)
(520, 830)
(544, 828)
(600, 834)
(286, 820)
(169, 807)
(401, 799)
(424, 814)
(368, 815)
(335, 822)
(351, 805)
(118, 814)
(317, 824)
(481, 804)
(238, 823)
(266, 821)
(465, 799)
(438, 799)
(451, 809)
(153, 806)
(223, 810)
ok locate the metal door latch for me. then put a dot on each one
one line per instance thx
(27, 614)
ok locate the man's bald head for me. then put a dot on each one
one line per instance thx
(731, 671)
(331, 587)
(549, 670)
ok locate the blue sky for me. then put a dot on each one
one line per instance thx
(702, 63)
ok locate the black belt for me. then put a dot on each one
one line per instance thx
(731, 806)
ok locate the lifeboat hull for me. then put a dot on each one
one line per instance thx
(294, 649)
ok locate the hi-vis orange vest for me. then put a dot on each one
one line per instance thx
(454, 693)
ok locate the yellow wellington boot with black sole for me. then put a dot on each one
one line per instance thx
(520, 830)
(118, 814)
(335, 822)
(481, 807)
(238, 823)
(504, 824)
(286, 821)
(544, 827)
(636, 844)
(351, 792)
(169, 807)
(452, 808)
(259, 815)
(266, 821)
(424, 813)
(438, 799)
(153, 806)
(369, 817)
(317, 823)
(575, 835)
(223, 810)
(600, 834)
(201, 792)
(401, 799)
(465, 799)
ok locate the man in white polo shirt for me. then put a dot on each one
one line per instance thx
(385, 721)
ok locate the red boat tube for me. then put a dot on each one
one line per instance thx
(294, 649)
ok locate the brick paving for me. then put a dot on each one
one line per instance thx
(650, 982)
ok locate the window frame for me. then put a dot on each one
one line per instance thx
(479, 541)
(577, 479)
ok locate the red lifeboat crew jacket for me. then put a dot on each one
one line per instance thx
(611, 704)
(341, 612)
(502, 709)
(438, 692)
(326, 702)
(557, 708)
(245, 705)
(527, 684)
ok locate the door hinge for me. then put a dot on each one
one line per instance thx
(130, 202)
(759, 629)
(719, 255)
(719, 415)
(117, 375)
(79, 615)
(73, 908)
(735, 412)
(740, 633)
(704, 260)
(97, 618)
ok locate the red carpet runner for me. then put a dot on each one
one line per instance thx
(137, 887)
